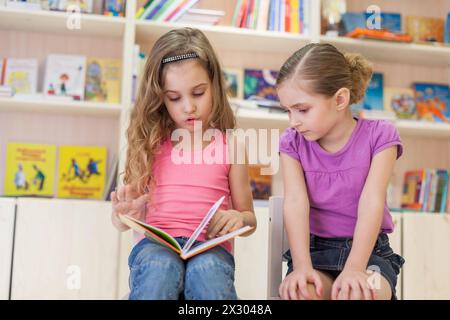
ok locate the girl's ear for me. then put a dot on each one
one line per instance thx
(342, 98)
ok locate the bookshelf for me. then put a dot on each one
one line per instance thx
(46, 32)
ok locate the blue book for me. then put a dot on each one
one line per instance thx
(389, 21)
(447, 30)
(432, 101)
(271, 23)
(156, 9)
(353, 20)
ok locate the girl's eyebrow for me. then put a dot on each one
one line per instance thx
(193, 88)
(297, 105)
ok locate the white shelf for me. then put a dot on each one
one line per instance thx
(409, 53)
(423, 128)
(61, 107)
(56, 22)
(229, 37)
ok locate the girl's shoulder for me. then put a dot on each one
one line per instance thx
(382, 134)
(291, 143)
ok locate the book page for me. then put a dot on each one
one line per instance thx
(214, 242)
(202, 225)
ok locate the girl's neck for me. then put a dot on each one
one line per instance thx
(339, 135)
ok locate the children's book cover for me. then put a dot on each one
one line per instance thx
(85, 6)
(413, 189)
(234, 82)
(21, 75)
(103, 80)
(432, 101)
(373, 99)
(401, 101)
(82, 172)
(260, 84)
(424, 29)
(261, 184)
(30, 169)
(390, 21)
(65, 75)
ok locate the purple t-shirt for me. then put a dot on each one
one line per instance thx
(335, 180)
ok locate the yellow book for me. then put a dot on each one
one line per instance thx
(30, 169)
(82, 172)
(103, 80)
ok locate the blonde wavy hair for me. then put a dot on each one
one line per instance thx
(150, 122)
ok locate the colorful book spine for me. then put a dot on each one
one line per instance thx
(141, 10)
(236, 15)
(287, 15)
(295, 16)
(156, 9)
(176, 10)
(150, 9)
(183, 10)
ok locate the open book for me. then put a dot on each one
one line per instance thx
(187, 250)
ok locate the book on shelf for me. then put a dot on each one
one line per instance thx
(425, 29)
(432, 101)
(84, 6)
(426, 190)
(6, 91)
(260, 184)
(21, 75)
(114, 8)
(82, 172)
(65, 76)
(272, 15)
(111, 179)
(260, 83)
(23, 5)
(401, 102)
(373, 98)
(189, 249)
(234, 82)
(30, 169)
(103, 77)
(201, 16)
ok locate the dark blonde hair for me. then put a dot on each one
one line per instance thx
(328, 69)
(150, 122)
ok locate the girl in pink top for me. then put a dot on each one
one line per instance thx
(336, 169)
(171, 183)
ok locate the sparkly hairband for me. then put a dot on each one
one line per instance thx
(180, 57)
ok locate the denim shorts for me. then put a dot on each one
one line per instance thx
(330, 254)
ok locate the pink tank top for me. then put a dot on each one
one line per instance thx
(184, 193)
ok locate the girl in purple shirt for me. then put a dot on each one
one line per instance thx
(336, 169)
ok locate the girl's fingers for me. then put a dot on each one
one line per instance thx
(216, 226)
(303, 287)
(344, 292)
(366, 292)
(335, 291)
(114, 199)
(355, 290)
(140, 202)
(318, 284)
(293, 291)
(121, 193)
(227, 227)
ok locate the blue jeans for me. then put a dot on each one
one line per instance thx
(158, 273)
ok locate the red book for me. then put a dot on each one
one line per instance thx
(287, 15)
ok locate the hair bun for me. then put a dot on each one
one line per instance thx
(361, 71)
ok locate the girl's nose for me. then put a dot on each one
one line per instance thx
(189, 106)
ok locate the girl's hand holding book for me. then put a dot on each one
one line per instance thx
(127, 201)
(225, 221)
